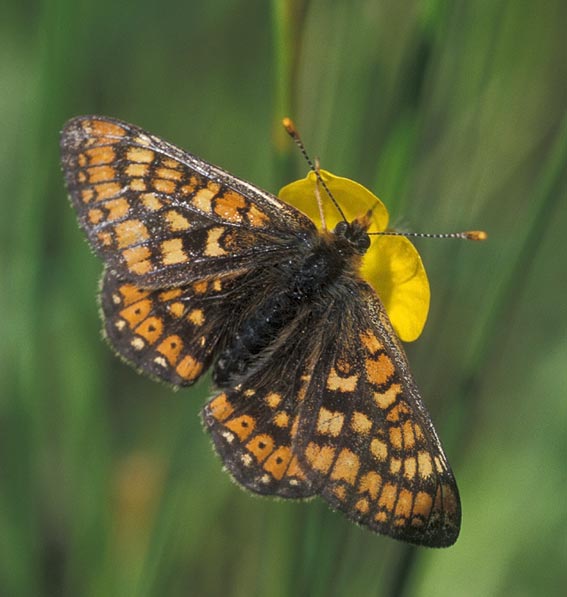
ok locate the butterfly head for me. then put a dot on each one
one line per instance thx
(354, 233)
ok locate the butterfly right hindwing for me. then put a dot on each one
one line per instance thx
(253, 425)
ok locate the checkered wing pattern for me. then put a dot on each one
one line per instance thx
(170, 334)
(162, 217)
(366, 441)
(202, 265)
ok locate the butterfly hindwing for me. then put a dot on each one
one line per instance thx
(252, 433)
(253, 425)
(161, 216)
(168, 333)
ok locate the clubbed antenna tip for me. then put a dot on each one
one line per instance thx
(476, 235)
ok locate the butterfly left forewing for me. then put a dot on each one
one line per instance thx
(366, 441)
(162, 216)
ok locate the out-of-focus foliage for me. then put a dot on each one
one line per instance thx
(453, 113)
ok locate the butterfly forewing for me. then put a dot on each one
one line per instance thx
(369, 446)
(161, 216)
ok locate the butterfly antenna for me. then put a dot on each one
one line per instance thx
(292, 132)
(477, 235)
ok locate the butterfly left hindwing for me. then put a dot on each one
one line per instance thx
(169, 333)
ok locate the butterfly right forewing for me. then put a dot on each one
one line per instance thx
(366, 442)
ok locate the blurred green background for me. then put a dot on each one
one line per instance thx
(454, 113)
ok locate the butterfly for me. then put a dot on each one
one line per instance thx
(314, 392)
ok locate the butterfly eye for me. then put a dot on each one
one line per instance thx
(340, 228)
(363, 242)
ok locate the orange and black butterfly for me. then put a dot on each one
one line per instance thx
(315, 395)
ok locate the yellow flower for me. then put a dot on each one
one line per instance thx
(392, 265)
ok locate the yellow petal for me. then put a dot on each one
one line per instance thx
(392, 265)
(353, 198)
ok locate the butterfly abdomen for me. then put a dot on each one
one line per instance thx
(301, 281)
(253, 335)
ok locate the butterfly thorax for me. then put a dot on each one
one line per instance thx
(302, 280)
